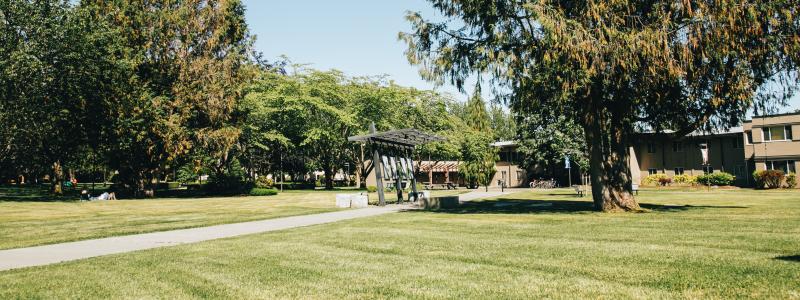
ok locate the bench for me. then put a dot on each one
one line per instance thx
(580, 190)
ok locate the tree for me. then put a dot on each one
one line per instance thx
(616, 66)
(546, 139)
(58, 67)
(503, 124)
(478, 159)
(476, 116)
(308, 110)
(189, 61)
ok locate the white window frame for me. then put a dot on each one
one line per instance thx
(766, 133)
(652, 171)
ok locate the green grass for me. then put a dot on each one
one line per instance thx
(724, 244)
(25, 223)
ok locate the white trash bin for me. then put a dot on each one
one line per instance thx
(359, 201)
(343, 200)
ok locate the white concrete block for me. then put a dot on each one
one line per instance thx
(343, 200)
(359, 201)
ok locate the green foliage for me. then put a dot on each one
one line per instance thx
(478, 159)
(684, 179)
(188, 60)
(791, 180)
(614, 66)
(258, 191)
(770, 179)
(546, 139)
(265, 182)
(477, 118)
(716, 179)
(503, 124)
(372, 189)
(656, 179)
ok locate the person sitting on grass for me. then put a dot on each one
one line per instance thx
(104, 196)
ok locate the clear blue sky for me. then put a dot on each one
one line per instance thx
(358, 37)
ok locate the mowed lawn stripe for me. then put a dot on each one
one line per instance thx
(724, 247)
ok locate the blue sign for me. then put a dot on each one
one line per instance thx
(566, 162)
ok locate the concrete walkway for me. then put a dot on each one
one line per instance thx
(55, 253)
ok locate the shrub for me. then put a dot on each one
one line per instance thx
(791, 180)
(717, 179)
(265, 182)
(263, 192)
(684, 179)
(372, 189)
(655, 179)
(770, 179)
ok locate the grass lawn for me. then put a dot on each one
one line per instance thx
(733, 243)
(29, 223)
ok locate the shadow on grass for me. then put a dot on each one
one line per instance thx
(41, 193)
(791, 258)
(534, 206)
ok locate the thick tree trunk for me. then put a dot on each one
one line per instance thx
(608, 165)
(328, 174)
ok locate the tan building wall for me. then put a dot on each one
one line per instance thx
(760, 151)
(511, 173)
(657, 153)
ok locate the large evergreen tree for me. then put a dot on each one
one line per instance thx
(616, 65)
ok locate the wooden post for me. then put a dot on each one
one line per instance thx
(413, 178)
(376, 165)
(399, 180)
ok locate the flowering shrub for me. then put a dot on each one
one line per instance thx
(718, 179)
(770, 179)
(656, 179)
(791, 180)
(264, 182)
(684, 179)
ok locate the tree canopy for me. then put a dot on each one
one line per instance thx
(616, 66)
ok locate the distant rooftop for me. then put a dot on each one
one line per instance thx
(504, 143)
(773, 115)
(732, 130)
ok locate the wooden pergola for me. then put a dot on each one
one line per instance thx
(398, 145)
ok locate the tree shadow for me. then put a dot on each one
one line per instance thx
(536, 206)
(789, 258)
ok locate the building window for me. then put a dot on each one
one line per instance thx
(787, 166)
(651, 147)
(677, 146)
(678, 171)
(749, 137)
(652, 171)
(738, 143)
(708, 170)
(780, 133)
